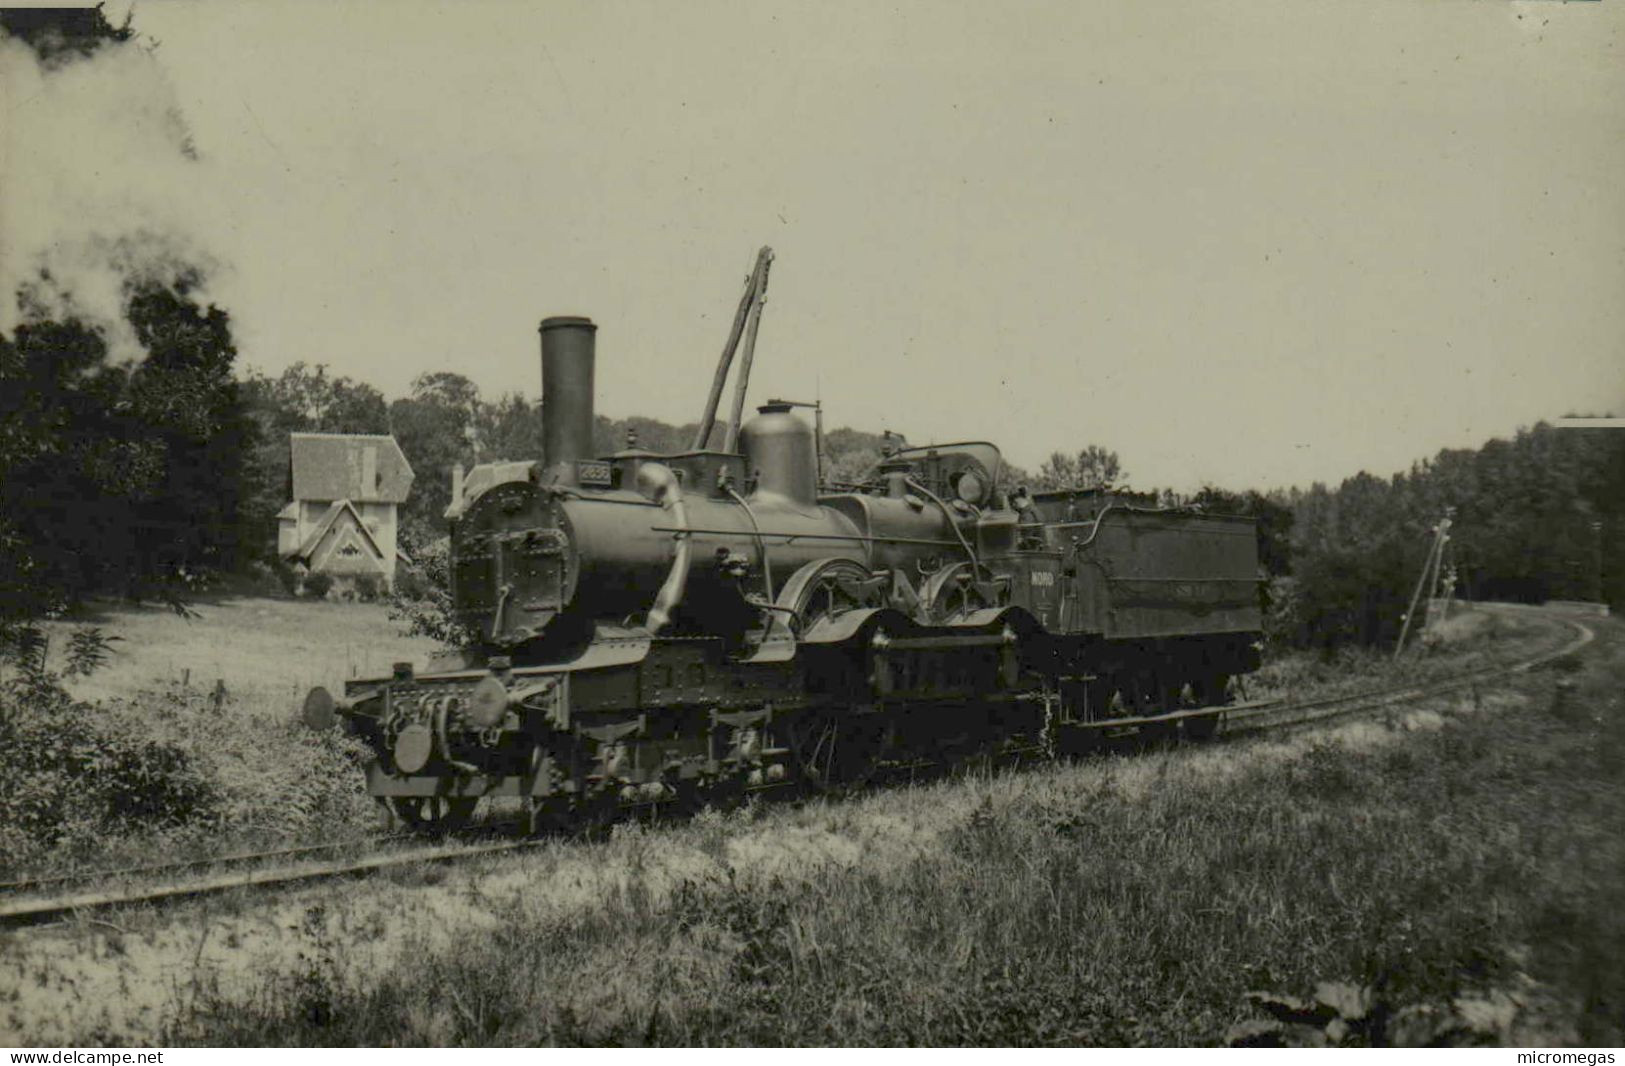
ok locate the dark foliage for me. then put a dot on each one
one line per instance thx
(1537, 517)
(421, 599)
(1091, 467)
(119, 479)
(71, 769)
(62, 34)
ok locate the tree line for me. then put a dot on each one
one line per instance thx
(140, 479)
(146, 478)
(1536, 517)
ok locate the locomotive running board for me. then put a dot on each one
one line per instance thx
(986, 640)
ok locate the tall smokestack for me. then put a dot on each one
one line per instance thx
(567, 367)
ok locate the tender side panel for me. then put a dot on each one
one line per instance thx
(1153, 575)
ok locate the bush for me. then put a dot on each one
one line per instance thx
(422, 599)
(318, 585)
(1281, 622)
(411, 583)
(368, 588)
(168, 770)
(73, 769)
(286, 577)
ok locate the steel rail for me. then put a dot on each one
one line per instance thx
(238, 859)
(1258, 718)
(1243, 714)
(38, 911)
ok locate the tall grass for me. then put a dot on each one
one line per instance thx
(1470, 638)
(101, 775)
(168, 771)
(1435, 863)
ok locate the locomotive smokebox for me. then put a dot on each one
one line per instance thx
(782, 453)
(567, 395)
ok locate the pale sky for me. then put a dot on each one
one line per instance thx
(1252, 244)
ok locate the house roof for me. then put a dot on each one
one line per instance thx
(325, 525)
(336, 466)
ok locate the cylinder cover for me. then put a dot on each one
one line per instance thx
(413, 747)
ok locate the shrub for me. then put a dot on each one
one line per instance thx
(422, 599)
(73, 769)
(166, 770)
(411, 583)
(1281, 622)
(318, 584)
(88, 648)
(281, 578)
(368, 588)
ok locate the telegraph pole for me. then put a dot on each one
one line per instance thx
(1429, 576)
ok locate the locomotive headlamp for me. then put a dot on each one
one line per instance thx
(319, 708)
(488, 702)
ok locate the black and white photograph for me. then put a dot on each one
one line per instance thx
(784, 523)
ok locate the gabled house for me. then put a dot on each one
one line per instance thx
(347, 489)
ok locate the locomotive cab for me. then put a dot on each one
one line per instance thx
(968, 472)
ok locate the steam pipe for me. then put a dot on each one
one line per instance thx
(761, 543)
(658, 481)
(764, 262)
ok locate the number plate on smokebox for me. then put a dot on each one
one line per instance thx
(592, 473)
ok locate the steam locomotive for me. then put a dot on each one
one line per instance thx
(677, 629)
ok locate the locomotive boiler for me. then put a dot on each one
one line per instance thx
(683, 628)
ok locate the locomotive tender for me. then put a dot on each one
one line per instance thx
(680, 628)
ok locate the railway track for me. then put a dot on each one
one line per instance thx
(1273, 715)
(37, 911)
(218, 862)
(20, 906)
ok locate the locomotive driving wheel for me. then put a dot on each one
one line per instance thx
(433, 814)
(956, 590)
(822, 591)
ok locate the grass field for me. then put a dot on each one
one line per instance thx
(238, 771)
(266, 651)
(1449, 874)
(197, 774)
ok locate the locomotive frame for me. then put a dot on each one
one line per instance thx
(680, 629)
